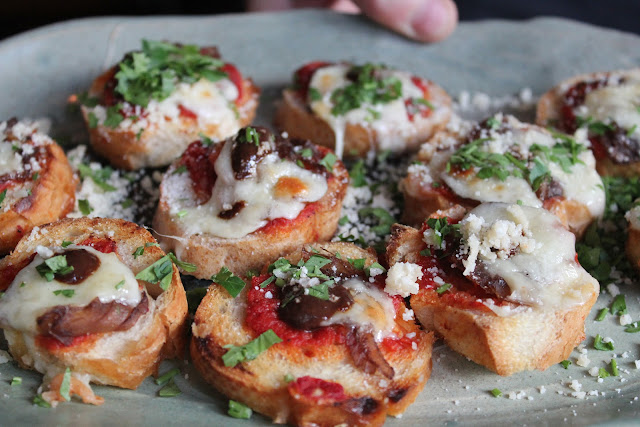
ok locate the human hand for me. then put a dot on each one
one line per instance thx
(422, 20)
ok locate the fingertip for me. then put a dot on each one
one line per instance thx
(421, 20)
(434, 21)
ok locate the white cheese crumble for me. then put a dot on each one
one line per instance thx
(402, 279)
(625, 319)
(583, 361)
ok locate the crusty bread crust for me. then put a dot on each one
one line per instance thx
(548, 114)
(293, 116)
(526, 340)
(158, 145)
(421, 199)
(633, 246)
(159, 334)
(260, 383)
(210, 253)
(52, 197)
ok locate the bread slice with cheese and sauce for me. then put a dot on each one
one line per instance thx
(37, 185)
(314, 340)
(91, 301)
(501, 284)
(604, 106)
(248, 200)
(355, 109)
(504, 160)
(145, 110)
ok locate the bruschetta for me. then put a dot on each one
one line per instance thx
(504, 160)
(91, 301)
(355, 109)
(145, 110)
(605, 106)
(248, 200)
(37, 185)
(501, 284)
(313, 340)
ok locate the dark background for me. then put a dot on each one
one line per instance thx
(17, 16)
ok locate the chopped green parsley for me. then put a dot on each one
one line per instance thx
(251, 350)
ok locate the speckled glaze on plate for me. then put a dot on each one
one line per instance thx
(41, 68)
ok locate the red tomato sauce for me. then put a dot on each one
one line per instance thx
(315, 389)
(262, 315)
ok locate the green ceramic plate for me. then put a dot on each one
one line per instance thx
(39, 69)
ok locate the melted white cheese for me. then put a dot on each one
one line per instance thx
(543, 272)
(20, 306)
(392, 124)
(618, 103)
(371, 306)
(210, 101)
(259, 192)
(583, 184)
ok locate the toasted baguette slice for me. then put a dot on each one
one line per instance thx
(633, 237)
(37, 184)
(310, 378)
(400, 126)
(186, 236)
(121, 357)
(617, 151)
(157, 134)
(437, 182)
(497, 332)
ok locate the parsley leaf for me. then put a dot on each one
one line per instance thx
(565, 364)
(65, 386)
(84, 207)
(186, 266)
(358, 174)
(239, 410)
(602, 314)
(68, 293)
(160, 271)
(114, 117)
(314, 94)
(52, 266)
(598, 344)
(382, 216)
(92, 119)
(251, 350)
(619, 305)
(2, 196)
(180, 169)
(39, 400)
(442, 229)
(250, 136)
(368, 87)
(170, 390)
(320, 291)
(328, 161)
(232, 283)
(99, 176)
(443, 288)
(153, 72)
(167, 376)
(496, 392)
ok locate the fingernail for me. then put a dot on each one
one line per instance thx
(434, 20)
